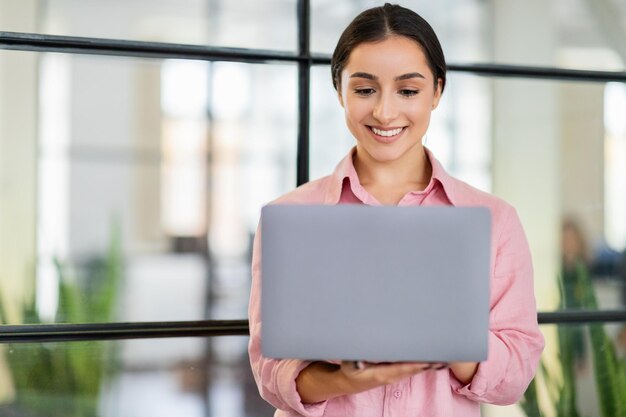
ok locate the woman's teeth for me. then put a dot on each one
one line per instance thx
(387, 133)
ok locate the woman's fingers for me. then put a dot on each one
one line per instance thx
(375, 374)
(359, 365)
(438, 365)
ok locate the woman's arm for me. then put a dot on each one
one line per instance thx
(515, 342)
(274, 378)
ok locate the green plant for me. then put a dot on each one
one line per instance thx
(530, 403)
(65, 379)
(610, 373)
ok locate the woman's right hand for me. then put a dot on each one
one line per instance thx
(321, 381)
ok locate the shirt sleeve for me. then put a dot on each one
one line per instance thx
(515, 342)
(276, 379)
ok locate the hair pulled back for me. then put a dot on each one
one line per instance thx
(379, 23)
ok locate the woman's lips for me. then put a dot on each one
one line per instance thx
(386, 135)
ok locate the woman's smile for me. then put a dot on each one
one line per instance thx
(386, 135)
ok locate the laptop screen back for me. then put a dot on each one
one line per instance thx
(355, 282)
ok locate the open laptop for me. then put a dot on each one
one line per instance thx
(380, 284)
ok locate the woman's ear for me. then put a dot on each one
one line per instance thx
(437, 95)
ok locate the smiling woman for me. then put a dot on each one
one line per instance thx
(388, 93)
(389, 72)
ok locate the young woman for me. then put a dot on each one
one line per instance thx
(389, 72)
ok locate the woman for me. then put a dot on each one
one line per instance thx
(389, 72)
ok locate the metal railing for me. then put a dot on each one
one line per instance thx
(140, 49)
(41, 333)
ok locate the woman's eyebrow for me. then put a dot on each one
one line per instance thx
(365, 75)
(409, 75)
(369, 76)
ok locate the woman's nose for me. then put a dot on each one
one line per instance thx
(385, 110)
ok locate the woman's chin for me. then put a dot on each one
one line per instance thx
(388, 155)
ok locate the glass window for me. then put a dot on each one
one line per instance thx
(566, 33)
(246, 24)
(151, 175)
(464, 24)
(549, 160)
(148, 377)
(330, 140)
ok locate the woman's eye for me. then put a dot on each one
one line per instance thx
(408, 93)
(364, 91)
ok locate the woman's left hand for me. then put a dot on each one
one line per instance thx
(464, 371)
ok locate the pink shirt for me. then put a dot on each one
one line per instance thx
(515, 343)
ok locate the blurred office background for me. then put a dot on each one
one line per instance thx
(130, 188)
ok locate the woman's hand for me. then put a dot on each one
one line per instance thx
(464, 371)
(321, 381)
(367, 375)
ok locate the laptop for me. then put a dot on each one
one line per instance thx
(379, 284)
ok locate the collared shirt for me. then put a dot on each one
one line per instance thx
(515, 342)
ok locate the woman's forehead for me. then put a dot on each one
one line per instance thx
(393, 56)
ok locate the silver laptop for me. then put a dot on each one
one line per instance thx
(380, 284)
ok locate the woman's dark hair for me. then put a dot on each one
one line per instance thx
(379, 23)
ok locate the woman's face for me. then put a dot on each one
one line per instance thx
(388, 92)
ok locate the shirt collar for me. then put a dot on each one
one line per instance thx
(345, 170)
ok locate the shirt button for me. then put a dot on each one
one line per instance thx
(397, 394)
